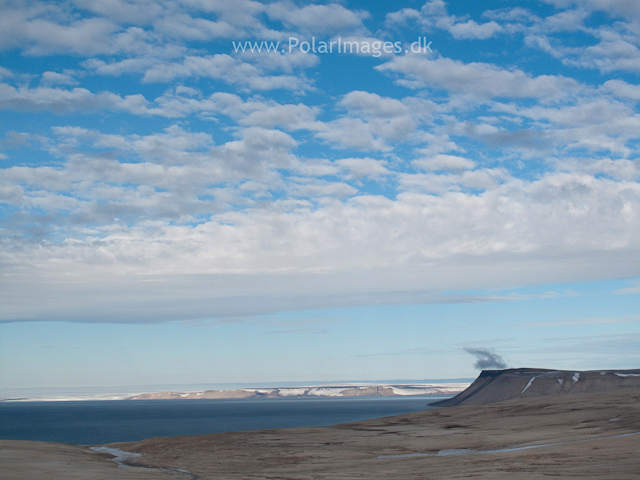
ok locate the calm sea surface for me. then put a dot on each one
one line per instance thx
(98, 422)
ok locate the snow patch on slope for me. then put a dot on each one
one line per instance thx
(528, 385)
(291, 392)
(327, 392)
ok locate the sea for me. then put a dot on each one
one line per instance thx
(98, 422)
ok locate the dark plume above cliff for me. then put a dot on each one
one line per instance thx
(486, 359)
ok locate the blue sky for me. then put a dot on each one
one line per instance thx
(174, 210)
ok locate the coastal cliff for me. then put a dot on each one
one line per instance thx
(498, 385)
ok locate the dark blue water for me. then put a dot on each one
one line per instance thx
(98, 422)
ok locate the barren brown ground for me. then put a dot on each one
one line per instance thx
(350, 451)
(21, 460)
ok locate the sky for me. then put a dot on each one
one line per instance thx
(214, 191)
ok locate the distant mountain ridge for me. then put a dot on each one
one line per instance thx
(498, 385)
(319, 391)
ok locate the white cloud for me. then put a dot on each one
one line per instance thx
(177, 103)
(618, 169)
(186, 27)
(623, 8)
(596, 112)
(352, 133)
(255, 111)
(290, 255)
(433, 14)
(293, 117)
(592, 119)
(441, 183)
(41, 36)
(622, 89)
(519, 14)
(123, 11)
(55, 78)
(373, 122)
(359, 168)
(472, 30)
(565, 21)
(173, 176)
(64, 101)
(634, 288)
(374, 105)
(320, 189)
(614, 50)
(478, 79)
(278, 61)
(118, 26)
(226, 68)
(317, 19)
(402, 17)
(170, 66)
(442, 162)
